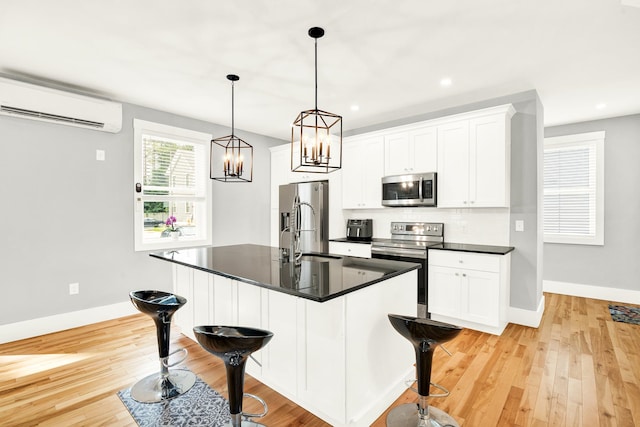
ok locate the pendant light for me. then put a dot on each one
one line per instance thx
(316, 135)
(231, 157)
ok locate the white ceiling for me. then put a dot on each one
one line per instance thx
(386, 56)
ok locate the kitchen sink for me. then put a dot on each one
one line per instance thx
(319, 257)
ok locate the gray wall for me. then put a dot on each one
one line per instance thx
(69, 218)
(616, 263)
(526, 146)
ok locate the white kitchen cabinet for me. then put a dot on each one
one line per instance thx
(354, 275)
(489, 161)
(411, 151)
(280, 358)
(183, 286)
(453, 164)
(361, 250)
(339, 359)
(362, 170)
(444, 291)
(474, 158)
(469, 289)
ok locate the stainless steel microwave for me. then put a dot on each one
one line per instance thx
(409, 190)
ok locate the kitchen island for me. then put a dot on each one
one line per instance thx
(334, 351)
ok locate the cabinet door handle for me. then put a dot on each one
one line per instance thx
(457, 274)
(460, 261)
(465, 202)
(464, 275)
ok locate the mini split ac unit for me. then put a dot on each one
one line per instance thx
(28, 101)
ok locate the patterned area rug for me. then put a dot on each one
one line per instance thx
(200, 406)
(622, 313)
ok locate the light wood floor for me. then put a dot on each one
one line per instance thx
(578, 369)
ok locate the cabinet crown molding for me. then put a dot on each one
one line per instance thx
(507, 109)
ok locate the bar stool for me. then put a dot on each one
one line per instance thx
(425, 335)
(163, 385)
(234, 344)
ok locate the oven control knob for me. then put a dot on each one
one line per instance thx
(428, 228)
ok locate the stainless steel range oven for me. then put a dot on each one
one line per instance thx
(409, 242)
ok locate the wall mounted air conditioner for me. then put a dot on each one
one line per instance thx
(29, 101)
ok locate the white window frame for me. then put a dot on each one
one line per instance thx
(142, 127)
(590, 139)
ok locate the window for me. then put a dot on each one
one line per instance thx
(171, 166)
(574, 189)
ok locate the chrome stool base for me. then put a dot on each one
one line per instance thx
(244, 423)
(156, 388)
(407, 416)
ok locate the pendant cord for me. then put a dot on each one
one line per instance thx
(316, 64)
(232, 109)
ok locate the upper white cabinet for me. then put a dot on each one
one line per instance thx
(474, 159)
(453, 164)
(362, 170)
(411, 151)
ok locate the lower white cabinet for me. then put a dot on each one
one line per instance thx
(340, 359)
(469, 289)
(361, 250)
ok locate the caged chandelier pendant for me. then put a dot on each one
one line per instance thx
(231, 157)
(316, 135)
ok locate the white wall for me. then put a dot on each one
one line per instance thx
(614, 265)
(69, 218)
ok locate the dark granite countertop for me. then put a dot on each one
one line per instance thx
(319, 277)
(483, 249)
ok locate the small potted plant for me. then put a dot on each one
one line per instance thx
(171, 226)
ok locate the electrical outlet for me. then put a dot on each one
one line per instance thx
(100, 155)
(519, 225)
(74, 288)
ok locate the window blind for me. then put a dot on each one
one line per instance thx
(571, 191)
(169, 167)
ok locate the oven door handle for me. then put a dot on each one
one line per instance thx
(400, 252)
(420, 190)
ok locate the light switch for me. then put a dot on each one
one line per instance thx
(100, 155)
(519, 225)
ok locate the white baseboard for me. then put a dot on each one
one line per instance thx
(589, 291)
(531, 318)
(59, 322)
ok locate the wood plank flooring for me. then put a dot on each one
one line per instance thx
(578, 369)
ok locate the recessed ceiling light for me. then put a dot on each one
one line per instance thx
(355, 107)
(601, 106)
(445, 82)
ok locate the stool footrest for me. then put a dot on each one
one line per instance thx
(165, 360)
(446, 393)
(264, 405)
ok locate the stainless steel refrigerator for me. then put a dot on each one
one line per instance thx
(304, 219)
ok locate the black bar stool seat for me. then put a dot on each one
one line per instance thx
(424, 335)
(234, 345)
(166, 384)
